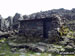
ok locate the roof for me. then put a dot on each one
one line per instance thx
(54, 16)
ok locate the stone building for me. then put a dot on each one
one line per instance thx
(39, 27)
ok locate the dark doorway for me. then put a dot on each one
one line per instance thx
(46, 27)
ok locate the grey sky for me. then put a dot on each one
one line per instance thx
(10, 7)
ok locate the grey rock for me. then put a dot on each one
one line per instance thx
(40, 49)
(68, 47)
(66, 39)
(72, 44)
(53, 50)
(13, 50)
(41, 44)
(22, 50)
(62, 42)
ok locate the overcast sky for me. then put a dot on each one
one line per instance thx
(10, 7)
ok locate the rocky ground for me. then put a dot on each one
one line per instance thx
(36, 49)
(16, 45)
(11, 48)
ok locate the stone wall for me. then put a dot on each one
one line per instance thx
(31, 28)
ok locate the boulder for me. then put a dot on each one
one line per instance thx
(72, 44)
(13, 50)
(22, 50)
(52, 50)
(40, 49)
(68, 47)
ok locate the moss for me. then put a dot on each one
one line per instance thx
(63, 30)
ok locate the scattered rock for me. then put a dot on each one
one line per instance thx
(68, 47)
(42, 44)
(53, 50)
(66, 39)
(72, 44)
(40, 49)
(63, 42)
(62, 49)
(22, 50)
(13, 50)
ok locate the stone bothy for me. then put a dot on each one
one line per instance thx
(39, 27)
